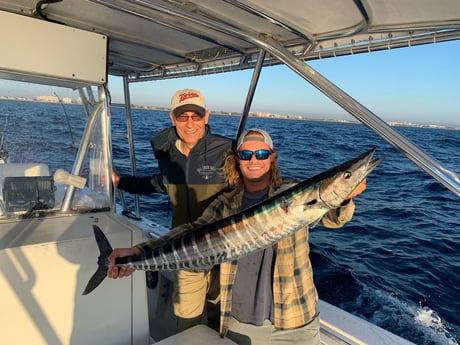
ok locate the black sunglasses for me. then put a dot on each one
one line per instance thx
(246, 155)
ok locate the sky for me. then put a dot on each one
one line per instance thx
(419, 84)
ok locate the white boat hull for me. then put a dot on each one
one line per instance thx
(44, 268)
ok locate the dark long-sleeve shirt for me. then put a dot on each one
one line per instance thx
(192, 181)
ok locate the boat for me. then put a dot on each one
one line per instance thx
(52, 192)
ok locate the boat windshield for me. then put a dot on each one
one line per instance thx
(54, 151)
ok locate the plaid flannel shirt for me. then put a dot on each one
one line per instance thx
(294, 292)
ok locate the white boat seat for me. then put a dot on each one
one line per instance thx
(22, 169)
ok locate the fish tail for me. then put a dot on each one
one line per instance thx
(103, 261)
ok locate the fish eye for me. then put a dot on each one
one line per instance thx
(347, 174)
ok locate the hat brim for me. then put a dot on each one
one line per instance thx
(266, 138)
(189, 107)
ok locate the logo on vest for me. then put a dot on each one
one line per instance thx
(206, 171)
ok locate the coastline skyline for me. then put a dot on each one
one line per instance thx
(55, 99)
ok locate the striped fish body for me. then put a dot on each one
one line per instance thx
(257, 227)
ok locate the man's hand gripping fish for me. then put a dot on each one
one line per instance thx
(258, 227)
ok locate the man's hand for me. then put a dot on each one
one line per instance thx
(115, 178)
(120, 272)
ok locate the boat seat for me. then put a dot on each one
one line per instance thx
(21, 169)
(22, 185)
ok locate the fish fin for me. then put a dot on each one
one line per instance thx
(105, 249)
(95, 280)
(103, 262)
(284, 206)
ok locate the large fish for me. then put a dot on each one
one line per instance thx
(257, 227)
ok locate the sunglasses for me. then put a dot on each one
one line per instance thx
(246, 155)
(184, 118)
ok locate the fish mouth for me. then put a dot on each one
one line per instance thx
(365, 160)
(373, 163)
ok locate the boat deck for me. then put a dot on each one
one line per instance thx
(203, 335)
(198, 335)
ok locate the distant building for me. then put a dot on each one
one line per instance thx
(51, 99)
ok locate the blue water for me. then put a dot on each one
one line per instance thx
(395, 264)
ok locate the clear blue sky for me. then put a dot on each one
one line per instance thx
(418, 84)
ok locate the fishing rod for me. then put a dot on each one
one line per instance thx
(3, 153)
(74, 147)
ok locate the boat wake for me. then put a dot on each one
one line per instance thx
(417, 323)
(431, 324)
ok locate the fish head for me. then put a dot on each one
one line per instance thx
(342, 180)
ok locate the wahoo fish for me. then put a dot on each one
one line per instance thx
(257, 227)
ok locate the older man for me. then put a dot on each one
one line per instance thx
(189, 158)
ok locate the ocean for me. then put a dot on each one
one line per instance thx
(397, 262)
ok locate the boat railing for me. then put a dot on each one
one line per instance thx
(131, 149)
(297, 62)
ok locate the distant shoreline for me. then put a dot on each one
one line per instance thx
(251, 114)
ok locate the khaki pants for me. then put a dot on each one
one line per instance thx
(191, 290)
(247, 334)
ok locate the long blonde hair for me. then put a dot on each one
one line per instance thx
(234, 178)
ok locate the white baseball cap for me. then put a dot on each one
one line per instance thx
(188, 100)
